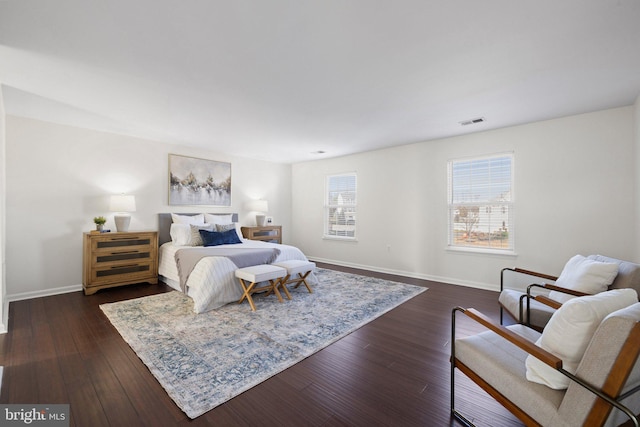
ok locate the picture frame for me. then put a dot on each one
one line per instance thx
(198, 182)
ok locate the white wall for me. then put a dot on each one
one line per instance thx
(574, 190)
(4, 305)
(636, 110)
(59, 177)
(570, 173)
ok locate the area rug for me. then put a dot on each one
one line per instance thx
(203, 360)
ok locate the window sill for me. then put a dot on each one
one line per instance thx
(340, 239)
(482, 251)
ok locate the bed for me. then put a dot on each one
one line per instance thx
(212, 283)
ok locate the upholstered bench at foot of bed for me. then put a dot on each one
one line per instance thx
(297, 272)
(249, 277)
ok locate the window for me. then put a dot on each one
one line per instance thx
(481, 203)
(340, 207)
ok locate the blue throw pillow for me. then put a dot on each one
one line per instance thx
(214, 238)
(230, 237)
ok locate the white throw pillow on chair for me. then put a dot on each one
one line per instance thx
(569, 332)
(584, 275)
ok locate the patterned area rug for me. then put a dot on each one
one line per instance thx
(203, 360)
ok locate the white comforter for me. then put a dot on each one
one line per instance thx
(212, 282)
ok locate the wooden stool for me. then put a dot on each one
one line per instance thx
(260, 273)
(297, 269)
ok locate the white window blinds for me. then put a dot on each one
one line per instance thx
(481, 202)
(341, 206)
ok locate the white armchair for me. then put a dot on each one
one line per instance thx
(534, 309)
(588, 376)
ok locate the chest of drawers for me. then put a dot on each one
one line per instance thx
(116, 259)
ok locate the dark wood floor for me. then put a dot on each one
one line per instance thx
(392, 371)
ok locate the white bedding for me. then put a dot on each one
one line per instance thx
(212, 283)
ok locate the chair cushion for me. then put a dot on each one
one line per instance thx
(501, 364)
(570, 330)
(584, 275)
(510, 301)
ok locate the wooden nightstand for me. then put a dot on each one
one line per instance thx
(268, 233)
(116, 259)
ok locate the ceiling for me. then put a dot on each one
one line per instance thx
(280, 80)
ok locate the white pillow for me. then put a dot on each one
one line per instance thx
(218, 219)
(570, 330)
(239, 231)
(180, 234)
(188, 219)
(584, 275)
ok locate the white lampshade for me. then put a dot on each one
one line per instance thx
(122, 204)
(260, 207)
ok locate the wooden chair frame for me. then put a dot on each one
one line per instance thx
(609, 395)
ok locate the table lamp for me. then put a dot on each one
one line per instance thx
(261, 207)
(122, 205)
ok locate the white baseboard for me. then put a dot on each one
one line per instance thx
(4, 322)
(448, 280)
(43, 293)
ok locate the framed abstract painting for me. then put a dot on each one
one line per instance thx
(194, 181)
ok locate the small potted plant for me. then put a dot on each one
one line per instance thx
(99, 220)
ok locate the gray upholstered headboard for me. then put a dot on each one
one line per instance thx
(164, 224)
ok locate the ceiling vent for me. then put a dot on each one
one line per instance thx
(472, 121)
